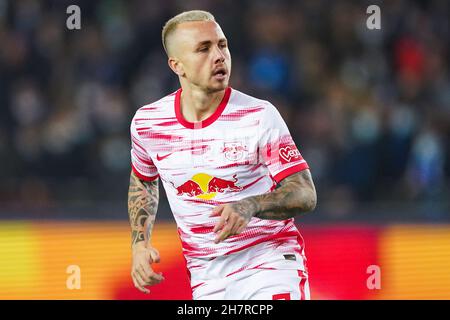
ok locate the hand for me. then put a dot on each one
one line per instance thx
(141, 271)
(233, 220)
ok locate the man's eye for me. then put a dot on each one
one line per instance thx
(203, 49)
(223, 45)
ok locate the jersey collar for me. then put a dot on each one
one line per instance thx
(204, 123)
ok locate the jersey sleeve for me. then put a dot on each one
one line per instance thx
(141, 164)
(277, 149)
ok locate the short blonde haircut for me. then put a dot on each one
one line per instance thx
(186, 16)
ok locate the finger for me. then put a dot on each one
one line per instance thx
(225, 233)
(223, 219)
(241, 228)
(145, 272)
(235, 221)
(217, 211)
(222, 236)
(143, 268)
(236, 226)
(156, 278)
(142, 289)
(139, 282)
(139, 279)
(137, 274)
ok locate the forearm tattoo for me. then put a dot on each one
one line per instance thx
(142, 206)
(295, 194)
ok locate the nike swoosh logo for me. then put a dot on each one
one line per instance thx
(159, 158)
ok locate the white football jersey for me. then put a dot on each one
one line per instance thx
(243, 149)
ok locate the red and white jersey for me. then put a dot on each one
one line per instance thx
(243, 149)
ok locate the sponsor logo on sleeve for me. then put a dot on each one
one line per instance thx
(289, 154)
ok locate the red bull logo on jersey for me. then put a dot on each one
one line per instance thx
(205, 186)
(234, 151)
(190, 188)
(222, 185)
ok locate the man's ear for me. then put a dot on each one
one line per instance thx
(176, 66)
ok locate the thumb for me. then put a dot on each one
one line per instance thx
(154, 255)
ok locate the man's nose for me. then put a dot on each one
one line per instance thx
(218, 55)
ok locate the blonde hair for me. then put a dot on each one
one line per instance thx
(186, 16)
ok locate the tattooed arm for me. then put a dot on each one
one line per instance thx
(143, 199)
(294, 194)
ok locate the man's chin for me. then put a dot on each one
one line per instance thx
(218, 86)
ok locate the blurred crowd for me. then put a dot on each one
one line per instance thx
(368, 109)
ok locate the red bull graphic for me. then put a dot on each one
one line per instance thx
(222, 185)
(191, 188)
(205, 186)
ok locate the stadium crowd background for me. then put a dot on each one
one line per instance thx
(368, 109)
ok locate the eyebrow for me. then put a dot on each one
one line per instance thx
(208, 42)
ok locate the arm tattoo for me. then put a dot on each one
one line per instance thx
(295, 194)
(142, 206)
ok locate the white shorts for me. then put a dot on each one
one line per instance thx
(261, 272)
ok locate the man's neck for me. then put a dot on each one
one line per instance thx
(197, 105)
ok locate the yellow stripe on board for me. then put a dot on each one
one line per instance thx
(20, 272)
(415, 262)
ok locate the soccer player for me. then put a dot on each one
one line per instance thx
(233, 176)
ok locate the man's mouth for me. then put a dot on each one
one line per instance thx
(220, 73)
